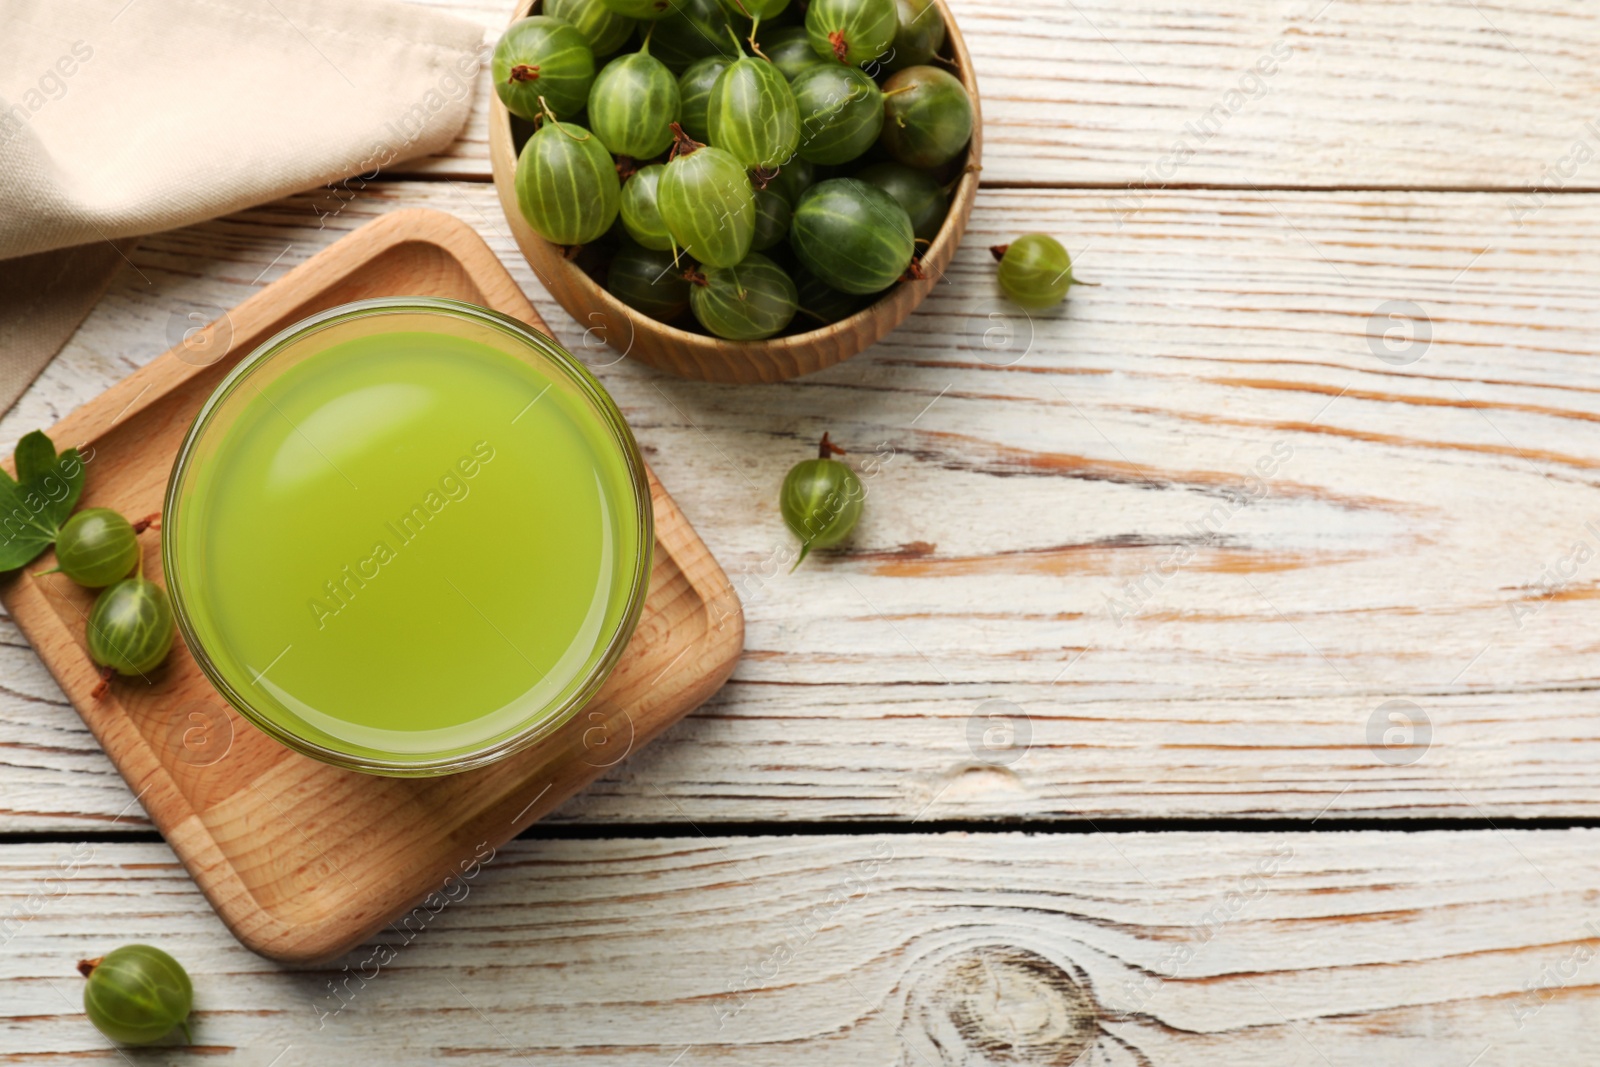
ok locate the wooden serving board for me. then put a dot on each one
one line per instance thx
(302, 860)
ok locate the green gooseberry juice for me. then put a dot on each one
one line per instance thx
(408, 537)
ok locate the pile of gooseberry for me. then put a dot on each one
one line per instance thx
(736, 164)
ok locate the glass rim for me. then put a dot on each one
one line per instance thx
(551, 718)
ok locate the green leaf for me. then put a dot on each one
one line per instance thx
(35, 504)
(34, 457)
(56, 491)
(22, 537)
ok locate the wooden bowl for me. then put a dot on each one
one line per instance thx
(697, 355)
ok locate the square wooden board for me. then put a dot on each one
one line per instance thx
(302, 860)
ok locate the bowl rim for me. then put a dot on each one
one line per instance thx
(910, 293)
(550, 718)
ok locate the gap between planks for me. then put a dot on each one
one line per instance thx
(1073, 827)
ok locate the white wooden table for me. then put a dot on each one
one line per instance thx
(1281, 548)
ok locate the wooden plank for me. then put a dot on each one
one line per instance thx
(908, 949)
(1418, 542)
(1256, 93)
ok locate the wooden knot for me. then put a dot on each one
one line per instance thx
(1001, 1005)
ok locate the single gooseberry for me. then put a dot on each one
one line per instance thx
(790, 51)
(604, 29)
(924, 199)
(693, 30)
(707, 202)
(641, 9)
(130, 629)
(747, 302)
(773, 215)
(854, 236)
(851, 32)
(633, 103)
(137, 994)
(755, 11)
(841, 113)
(821, 500)
(1035, 270)
(567, 185)
(821, 302)
(927, 117)
(97, 547)
(920, 34)
(753, 115)
(543, 57)
(694, 94)
(794, 178)
(641, 215)
(648, 281)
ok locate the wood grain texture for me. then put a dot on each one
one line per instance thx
(706, 358)
(1417, 543)
(1400, 94)
(989, 950)
(302, 859)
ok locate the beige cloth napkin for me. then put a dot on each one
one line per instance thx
(125, 117)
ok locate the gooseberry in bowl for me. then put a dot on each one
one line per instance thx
(783, 113)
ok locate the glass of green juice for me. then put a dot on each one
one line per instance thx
(408, 536)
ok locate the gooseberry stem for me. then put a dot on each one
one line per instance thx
(523, 72)
(86, 967)
(99, 692)
(827, 449)
(998, 252)
(150, 521)
(682, 143)
(551, 115)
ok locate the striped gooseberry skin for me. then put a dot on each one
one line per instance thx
(851, 32)
(694, 30)
(920, 35)
(841, 113)
(919, 192)
(753, 115)
(854, 236)
(821, 303)
(544, 57)
(137, 994)
(794, 178)
(130, 627)
(641, 9)
(1035, 270)
(773, 215)
(694, 94)
(97, 547)
(708, 204)
(790, 51)
(927, 117)
(648, 281)
(633, 104)
(567, 184)
(604, 29)
(755, 9)
(747, 302)
(641, 215)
